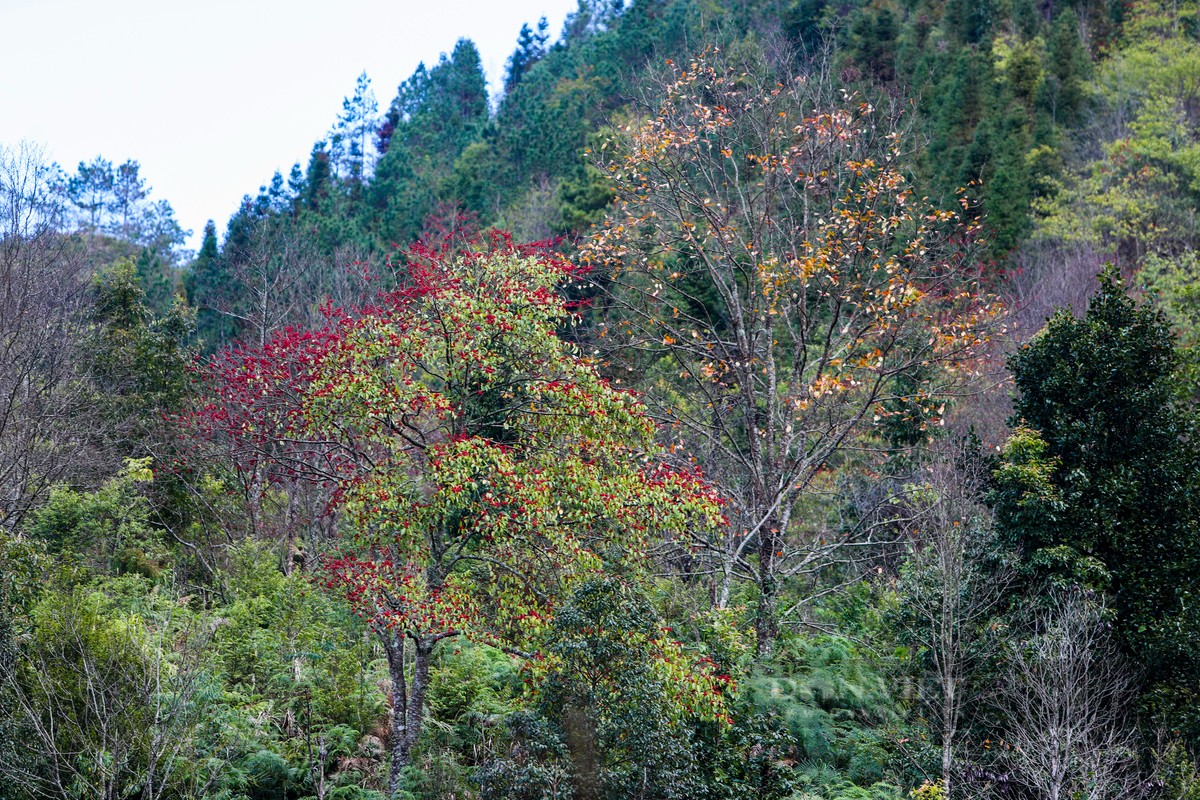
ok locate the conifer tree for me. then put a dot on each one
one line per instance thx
(436, 114)
(296, 182)
(530, 49)
(203, 285)
(351, 139)
(317, 178)
(91, 190)
(129, 190)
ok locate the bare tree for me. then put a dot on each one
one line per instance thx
(950, 596)
(129, 191)
(277, 275)
(1066, 695)
(45, 416)
(1050, 276)
(273, 275)
(174, 692)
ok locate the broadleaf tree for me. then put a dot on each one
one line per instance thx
(784, 292)
(1097, 485)
(482, 468)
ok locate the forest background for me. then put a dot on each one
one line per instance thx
(758, 399)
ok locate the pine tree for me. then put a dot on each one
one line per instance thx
(318, 177)
(408, 100)
(128, 192)
(205, 284)
(531, 47)
(277, 194)
(351, 139)
(296, 182)
(458, 96)
(436, 115)
(208, 247)
(91, 190)
(1069, 67)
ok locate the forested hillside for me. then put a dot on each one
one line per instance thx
(786, 399)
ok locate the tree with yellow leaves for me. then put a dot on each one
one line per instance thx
(788, 292)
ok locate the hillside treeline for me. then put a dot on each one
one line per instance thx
(755, 400)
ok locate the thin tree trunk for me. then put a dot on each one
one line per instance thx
(947, 760)
(408, 699)
(766, 623)
(581, 743)
(420, 685)
(766, 627)
(393, 645)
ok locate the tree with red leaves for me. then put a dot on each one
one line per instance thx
(481, 468)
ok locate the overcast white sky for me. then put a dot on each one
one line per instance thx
(212, 97)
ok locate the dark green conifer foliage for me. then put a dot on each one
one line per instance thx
(969, 21)
(446, 108)
(474, 183)
(91, 190)
(583, 199)
(1002, 143)
(436, 115)
(530, 49)
(1069, 68)
(158, 279)
(205, 284)
(317, 178)
(958, 104)
(805, 22)
(871, 44)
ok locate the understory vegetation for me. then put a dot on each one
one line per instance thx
(785, 399)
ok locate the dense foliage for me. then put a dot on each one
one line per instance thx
(811, 451)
